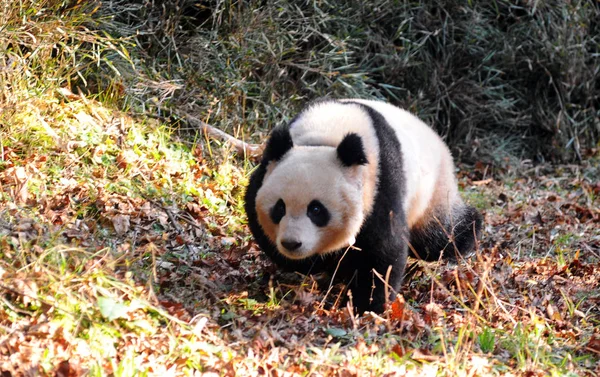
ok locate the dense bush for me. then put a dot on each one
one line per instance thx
(496, 78)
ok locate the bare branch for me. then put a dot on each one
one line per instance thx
(251, 150)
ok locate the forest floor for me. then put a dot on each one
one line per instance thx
(124, 251)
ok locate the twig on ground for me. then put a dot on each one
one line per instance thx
(250, 150)
(178, 228)
(333, 276)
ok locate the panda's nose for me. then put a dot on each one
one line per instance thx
(291, 245)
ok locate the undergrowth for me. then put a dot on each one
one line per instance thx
(496, 79)
(123, 246)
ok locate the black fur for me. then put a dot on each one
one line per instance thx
(457, 237)
(280, 142)
(318, 214)
(278, 211)
(351, 151)
(383, 237)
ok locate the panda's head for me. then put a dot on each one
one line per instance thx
(311, 198)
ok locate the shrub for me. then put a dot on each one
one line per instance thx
(500, 78)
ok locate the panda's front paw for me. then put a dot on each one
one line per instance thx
(367, 299)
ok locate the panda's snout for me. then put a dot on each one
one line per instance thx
(291, 245)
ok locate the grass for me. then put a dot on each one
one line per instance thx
(496, 79)
(123, 245)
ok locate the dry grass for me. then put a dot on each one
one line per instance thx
(123, 249)
(495, 78)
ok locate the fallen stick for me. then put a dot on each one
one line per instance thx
(250, 150)
(241, 147)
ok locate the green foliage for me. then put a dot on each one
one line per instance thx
(123, 249)
(515, 78)
(487, 340)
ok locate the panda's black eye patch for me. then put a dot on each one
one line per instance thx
(278, 211)
(317, 213)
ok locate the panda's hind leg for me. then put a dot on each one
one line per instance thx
(466, 231)
(446, 236)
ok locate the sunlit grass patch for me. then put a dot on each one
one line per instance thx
(123, 246)
(87, 195)
(91, 149)
(67, 303)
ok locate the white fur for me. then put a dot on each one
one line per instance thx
(327, 123)
(311, 170)
(428, 168)
(303, 175)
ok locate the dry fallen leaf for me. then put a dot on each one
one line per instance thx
(432, 312)
(66, 369)
(594, 344)
(482, 182)
(121, 224)
(397, 310)
(553, 313)
(28, 289)
(399, 350)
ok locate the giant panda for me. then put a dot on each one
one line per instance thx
(352, 187)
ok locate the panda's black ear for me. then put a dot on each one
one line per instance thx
(278, 144)
(351, 151)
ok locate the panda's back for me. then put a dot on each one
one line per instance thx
(427, 163)
(429, 170)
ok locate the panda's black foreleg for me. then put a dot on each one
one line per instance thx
(387, 276)
(371, 284)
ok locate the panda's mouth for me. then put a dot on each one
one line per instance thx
(298, 253)
(291, 250)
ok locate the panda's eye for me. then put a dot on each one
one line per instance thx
(278, 211)
(317, 213)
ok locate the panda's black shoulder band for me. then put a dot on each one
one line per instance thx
(278, 144)
(351, 150)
